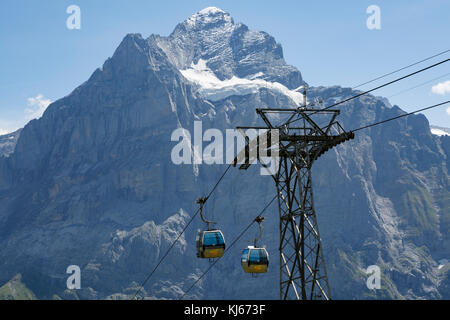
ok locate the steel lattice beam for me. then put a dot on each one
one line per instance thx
(303, 273)
(302, 269)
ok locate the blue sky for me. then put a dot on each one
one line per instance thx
(328, 41)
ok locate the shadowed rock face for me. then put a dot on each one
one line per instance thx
(92, 183)
(8, 143)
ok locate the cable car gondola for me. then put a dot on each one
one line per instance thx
(255, 259)
(210, 243)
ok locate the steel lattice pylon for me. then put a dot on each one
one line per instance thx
(301, 141)
(302, 268)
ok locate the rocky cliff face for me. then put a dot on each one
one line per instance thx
(8, 143)
(92, 183)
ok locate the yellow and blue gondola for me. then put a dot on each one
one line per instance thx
(255, 260)
(210, 244)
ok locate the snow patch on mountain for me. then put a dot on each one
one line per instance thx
(214, 89)
(443, 263)
(439, 131)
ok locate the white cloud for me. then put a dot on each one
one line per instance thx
(34, 110)
(36, 107)
(441, 88)
(8, 126)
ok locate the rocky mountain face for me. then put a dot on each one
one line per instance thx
(8, 143)
(231, 49)
(92, 184)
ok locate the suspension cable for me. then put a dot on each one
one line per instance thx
(373, 89)
(418, 85)
(179, 235)
(402, 115)
(403, 68)
(229, 247)
(387, 84)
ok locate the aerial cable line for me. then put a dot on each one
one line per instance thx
(398, 70)
(419, 85)
(401, 116)
(182, 232)
(229, 247)
(376, 88)
(387, 84)
(409, 89)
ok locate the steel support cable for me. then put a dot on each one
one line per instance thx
(373, 89)
(321, 125)
(401, 116)
(418, 85)
(229, 247)
(401, 69)
(387, 84)
(179, 235)
(398, 70)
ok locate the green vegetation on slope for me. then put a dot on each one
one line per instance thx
(420, 214)
(16, 290)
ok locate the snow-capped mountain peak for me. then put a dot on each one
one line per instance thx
(211, 10)
(210, 15)
(228, 49)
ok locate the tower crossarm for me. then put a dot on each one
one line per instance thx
(327, 144)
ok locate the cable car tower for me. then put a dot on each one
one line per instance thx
(302, 140)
